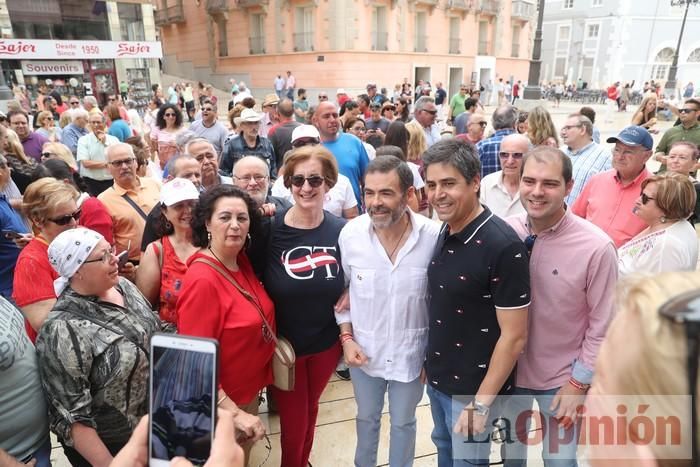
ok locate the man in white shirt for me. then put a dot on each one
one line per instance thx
(424, 117)
(385, 256)
(500, 191)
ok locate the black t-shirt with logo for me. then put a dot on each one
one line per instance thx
(304, 279)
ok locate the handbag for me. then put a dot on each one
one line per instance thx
(284, 358)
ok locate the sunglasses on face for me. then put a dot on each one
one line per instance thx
(75, 103)
(168, 115)
(105, 258)
(65, 220)
(431, 112)
(304, 142)
(315, 181)
(686, 111)
(646, 199)
(514, 155)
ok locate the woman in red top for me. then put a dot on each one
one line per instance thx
(163, 265)
(52, 207)
(210, 305)
(93, 214)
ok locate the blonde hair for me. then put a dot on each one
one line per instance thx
(63, 153)
(417, 144)
(41, 117)
(641, 110)
(675, 194)
(43, 196)
(66, 118)
(16, 148)
(658, 361)
(540, 126)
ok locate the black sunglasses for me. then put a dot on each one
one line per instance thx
(304, 142)
(514, 155)
(645, 198)
(431, 112)
(686, 111)
(315, 181)
(530, 243)
(65, 220)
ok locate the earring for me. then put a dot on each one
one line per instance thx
(168, 225)
(662, 219)
(209, 238)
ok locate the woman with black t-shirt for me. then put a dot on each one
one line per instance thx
(304, 279)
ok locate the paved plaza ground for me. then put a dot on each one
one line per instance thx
(335, 432)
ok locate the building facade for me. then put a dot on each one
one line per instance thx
(329, 44)
(81, 47)
(603, 41)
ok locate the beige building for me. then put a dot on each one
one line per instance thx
(329, 44)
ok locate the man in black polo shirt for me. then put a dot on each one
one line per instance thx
(480, 291)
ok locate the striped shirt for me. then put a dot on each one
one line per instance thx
(587, 161)
(489, 149)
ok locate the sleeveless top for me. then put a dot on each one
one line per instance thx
(172, 272)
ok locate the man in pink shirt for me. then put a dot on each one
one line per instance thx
(608, 198)
(573, 273)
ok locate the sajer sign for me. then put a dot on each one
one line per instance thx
(48, 49)
(52, 67)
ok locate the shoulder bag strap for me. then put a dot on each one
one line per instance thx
(243, 292)
(102, 324)
(135, 206)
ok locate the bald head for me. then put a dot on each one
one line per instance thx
(326, 120)
(515, 143)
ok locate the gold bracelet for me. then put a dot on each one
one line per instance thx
(223, 398)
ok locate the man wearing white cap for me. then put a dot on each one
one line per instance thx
(250, 143)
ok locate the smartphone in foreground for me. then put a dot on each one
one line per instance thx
(11, 234)
(182, 402)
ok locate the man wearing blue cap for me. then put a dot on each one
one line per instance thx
(608, 197)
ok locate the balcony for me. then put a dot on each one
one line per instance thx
(483, 48)
(431, 4)
(257, 45)
(460, 5)
(380, 40)
(170, 15)
(455, 45)
(489, 7)
(252, 3)
(303, 41)
(522, 10)
(217, 7)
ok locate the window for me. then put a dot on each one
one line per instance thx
(592, 31)
(568, 4)
(223, 36)
(483, 38)
(455, 41)
(515, 44)
(694, 56)
(597, 3)
(380, 36)
(560, 67)
(257, 34)
(563, 40)
(662, 62)
(421, 40)
(130, 22)
(304, 35)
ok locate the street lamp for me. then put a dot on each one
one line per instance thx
(532, 90)
(671, 82)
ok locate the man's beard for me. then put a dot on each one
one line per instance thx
(394, 218)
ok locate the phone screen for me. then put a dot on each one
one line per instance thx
(182, 404)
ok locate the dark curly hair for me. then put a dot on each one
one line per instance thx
(160, 118)
(205, 209)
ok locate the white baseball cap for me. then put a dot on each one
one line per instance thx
(177, 190)
(305, 131)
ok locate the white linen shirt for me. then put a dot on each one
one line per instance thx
(495, 196)
(388, 302)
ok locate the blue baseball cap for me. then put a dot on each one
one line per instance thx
(633, 136)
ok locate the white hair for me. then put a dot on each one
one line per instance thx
(78, 113)
(109, 149)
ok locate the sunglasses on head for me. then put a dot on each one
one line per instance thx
(645, 198)
(65, 220)
(315, 181)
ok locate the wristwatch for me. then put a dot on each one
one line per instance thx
(480, 409)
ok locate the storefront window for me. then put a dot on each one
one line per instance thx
(59, 19)
(131, 22)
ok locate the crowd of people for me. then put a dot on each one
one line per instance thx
(319, 223)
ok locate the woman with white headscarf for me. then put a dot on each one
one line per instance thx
(93, 349)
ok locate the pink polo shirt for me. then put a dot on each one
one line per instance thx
(608, 204)
(573, 274)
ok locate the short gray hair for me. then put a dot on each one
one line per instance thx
(459, 154)
(91, 100)
(504, 117)
(422, 102)
(196, 140)
(170, 165)
(77, 113)
(386, 164)
(585, 122)
(112, 147)
(183, 138)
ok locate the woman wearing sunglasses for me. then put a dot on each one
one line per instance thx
(51, 206)
(669, 243)
(168, 126)
(92, 350)
(47, 126)
(304, 280)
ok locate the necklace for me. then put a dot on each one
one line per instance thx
(219, 260)
(398, 242)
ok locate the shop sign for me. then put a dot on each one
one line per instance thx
(52, 67)
(49, 49)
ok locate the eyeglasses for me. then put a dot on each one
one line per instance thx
(481, 124)
(315, 181)
(360, 129)
(121, 162)
(65, 220)
(530, 243)
(48, 118)
(105, 258)
(515, 155)
(431, 112)
(47, 155)
(304, 142)
(96, 123)
(645, 198)
(75, 103)
(568, 127)
(321, 98)
(248, 178)
(686, 111)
